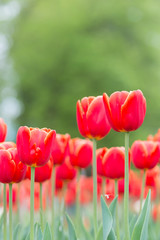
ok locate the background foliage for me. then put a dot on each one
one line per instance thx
(65, 50)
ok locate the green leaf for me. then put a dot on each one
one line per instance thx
(107, 219)
(59, 233)
(86, 234)
(28, 236)
(1, 226)
(100, 233)
(16, 232)
(72, 233)
(47, 233)
(38, 232)
(112, 235)
(132, 224)
(113, 205)
(140, 230)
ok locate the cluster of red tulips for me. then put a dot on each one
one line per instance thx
(56, 162)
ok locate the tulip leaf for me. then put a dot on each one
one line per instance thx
(28, 236)
(47, 233)
(1, 226)
(59, 233)
(100, 233)
(132, 224)
(107, 219)
(38, 232)
(86, 234)
(72, 233)
(140, 230)
(112, 235)
(113, 205)
(16, 232)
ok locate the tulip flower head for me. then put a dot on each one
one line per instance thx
(91, 118)
(34, 145)
(111, 162)
(145, 154)
(3, 130)
(12, 169)
(42, 173)
(59, 148)
(100, 156)
(80, 152)
(66, 171)
(125, 110)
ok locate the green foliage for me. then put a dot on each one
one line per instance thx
(63, 51)
(140, 230)
(72, 233)
(47, 233)
(108, 232)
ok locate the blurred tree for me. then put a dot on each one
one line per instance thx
(65, 50)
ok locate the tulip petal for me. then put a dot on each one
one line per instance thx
(81, 120)
(97, 120)
(23, 143)
(7, 166)
(113, 108)
(139, 154)
(133, 111)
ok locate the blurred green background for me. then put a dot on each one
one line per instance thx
(60, 51)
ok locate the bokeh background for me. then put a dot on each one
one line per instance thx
(54, 52)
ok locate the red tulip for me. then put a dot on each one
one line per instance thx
(66, 170)
(12, 169)
(3, 130)
(91, 118)
(59, 148)
(111, 162)
(7, 145)
(100, 155)
(151, 176)
(156, 137)
(125, 110)
(145, 154)
(42, 173)
(156, 212)
(80, 152)
(34, 145)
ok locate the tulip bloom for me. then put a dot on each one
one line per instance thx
(125, 110)
(145, 154)
(66, 170)
(34, 145)
(3, 130)
(156, 137)
(111, 162)
(91, 118)
(80, 152)
(12, 169)
(100, 155)
(42, 173)
(59, 148)
(7, 145)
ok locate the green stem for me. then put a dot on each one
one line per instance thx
(52, 199)
(126, 190)
(41, 208)
(103, 186)
(5, 213)
(117, 219)
(18, 203)
(78, 200)
(95, 188)
(63, 207)
(10, 212)
(143, 188)
(32, 204)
